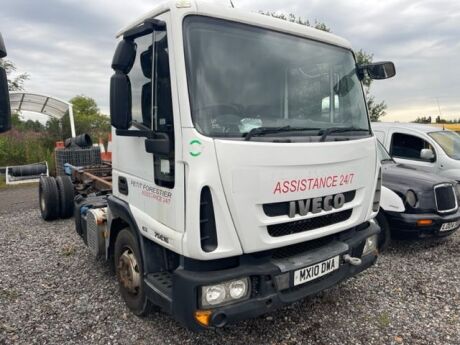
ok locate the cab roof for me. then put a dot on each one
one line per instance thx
(202, 7)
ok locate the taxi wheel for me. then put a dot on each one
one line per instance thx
(385, 233)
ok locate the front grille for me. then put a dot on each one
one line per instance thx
(299, 248)
(282, 208)
(445, 198)
(295, 227)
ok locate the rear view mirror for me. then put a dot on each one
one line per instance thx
(427, 154)
(378, 70)
(2, 48)
(159, 145)
(5, 109)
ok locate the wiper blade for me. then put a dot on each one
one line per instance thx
(270, 130)
(325, 133)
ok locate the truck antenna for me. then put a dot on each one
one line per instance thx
(231, 3)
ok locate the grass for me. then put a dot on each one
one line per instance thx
(68, 250)
(384, 320)
(8, 294)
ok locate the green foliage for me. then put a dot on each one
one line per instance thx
(299, 20)
(87, 117)
(363, 58)
(17, 148)
(438, 119)
(30, 141)
(29, 125)
(16, 83)
(376, 109)
(423, 119)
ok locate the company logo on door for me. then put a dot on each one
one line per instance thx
(304, 184)
(151, 192)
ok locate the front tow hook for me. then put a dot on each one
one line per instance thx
(352, 261)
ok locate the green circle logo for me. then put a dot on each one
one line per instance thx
(195, 148)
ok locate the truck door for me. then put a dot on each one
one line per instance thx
(153, 184)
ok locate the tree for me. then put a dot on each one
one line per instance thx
(423, 119)
(16, 83)
(87, 117)
(376, 110)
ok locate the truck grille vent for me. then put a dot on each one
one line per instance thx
(208, 234)
(299, 248)
(290, 228)
(282, 208)
(445, 198)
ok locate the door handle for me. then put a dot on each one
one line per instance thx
(122, 185)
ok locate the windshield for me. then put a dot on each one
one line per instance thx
(382, 153)
(449, 141)
(243, 77)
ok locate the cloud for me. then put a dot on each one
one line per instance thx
(67, 45)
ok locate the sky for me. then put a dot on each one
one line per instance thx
(66, 46)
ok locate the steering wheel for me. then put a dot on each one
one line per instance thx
(223, 118)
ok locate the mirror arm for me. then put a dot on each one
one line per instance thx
(360, 72)
(134, 133)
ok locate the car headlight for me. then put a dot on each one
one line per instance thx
(371, 245)
(411, 198)
(224, 293)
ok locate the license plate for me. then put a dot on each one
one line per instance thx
(449, 226)
(315, 271)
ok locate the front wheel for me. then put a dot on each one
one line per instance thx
(385, 233)
(129, 270)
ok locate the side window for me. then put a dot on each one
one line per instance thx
(163, 120)
(141, 82)
(151, 97)
(408, 146)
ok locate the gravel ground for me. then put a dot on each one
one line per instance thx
(53, 292)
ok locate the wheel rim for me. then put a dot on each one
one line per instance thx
(128, 270)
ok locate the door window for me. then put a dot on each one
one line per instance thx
(162, 116)
(151, 97)
(140, 77)
(408, 146)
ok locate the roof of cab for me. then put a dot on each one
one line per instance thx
(420, 127)
(202, 7)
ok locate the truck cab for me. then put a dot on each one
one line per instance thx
(245, 175)
(244, 165)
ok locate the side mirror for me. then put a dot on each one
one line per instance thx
(378, 70)
(427, 155)
(5, 109)
(2, 48)
(159, 145)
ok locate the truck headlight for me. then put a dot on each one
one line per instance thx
(224, 293)
(214, 295)
(411, 198)
(371, 245)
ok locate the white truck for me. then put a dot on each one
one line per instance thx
(245, 174)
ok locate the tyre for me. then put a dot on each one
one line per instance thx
(129, 271)
(66, 196)
(48, 197)
(385, 233)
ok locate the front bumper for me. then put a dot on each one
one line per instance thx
(269, 286)
(406, 223)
